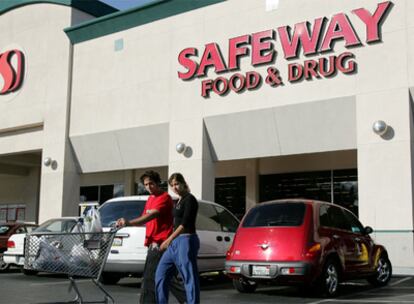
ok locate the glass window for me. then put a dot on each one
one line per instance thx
(207, 218)
(311, 185)
(318, 185)
(60, 225)
(355, 225)
(4, 229)
(230, 192)
(20, 230)
(30, 228)
(105, 193)
(345, 188)
(129, 210)
(279, 214)
(91, 193)
(332, 216)
(228, 222)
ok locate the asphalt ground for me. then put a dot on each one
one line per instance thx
(16, 288)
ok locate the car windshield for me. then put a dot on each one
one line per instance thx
(280, 214)
(4, 229)
(112, 211)
(57, 225)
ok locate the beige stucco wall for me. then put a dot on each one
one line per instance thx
(115, 92)
(21, 190)
(35, 118)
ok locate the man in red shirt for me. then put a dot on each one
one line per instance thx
(158, 218)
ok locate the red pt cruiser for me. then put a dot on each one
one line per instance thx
(307, 243)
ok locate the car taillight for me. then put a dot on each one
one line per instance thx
(292, 271)
(313, 250)
(11, 244)
(234, 269)
(229, 253)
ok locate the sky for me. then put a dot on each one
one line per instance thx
(125, 4)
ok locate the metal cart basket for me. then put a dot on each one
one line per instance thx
(75, 254)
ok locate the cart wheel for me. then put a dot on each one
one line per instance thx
(28, 272)
(108, 278)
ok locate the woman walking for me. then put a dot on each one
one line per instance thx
(181, 246)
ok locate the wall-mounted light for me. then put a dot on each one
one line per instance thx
(47, 161)
(180, 147)
(380, 127)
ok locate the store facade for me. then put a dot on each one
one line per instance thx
(267, 99)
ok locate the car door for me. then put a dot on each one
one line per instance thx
(363, 244)
(229, 224)
(211, 254)
(335, 227)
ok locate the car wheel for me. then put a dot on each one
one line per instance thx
(244, 286)
(3, 266)
(28, 272)
(383, 272)
(108, 278)
(328, 282)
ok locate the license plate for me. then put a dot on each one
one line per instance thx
(117, 242)
(261, 271)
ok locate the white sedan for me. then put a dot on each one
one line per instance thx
(15, 246)
(215, 227)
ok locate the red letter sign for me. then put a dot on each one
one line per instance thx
(12, 76)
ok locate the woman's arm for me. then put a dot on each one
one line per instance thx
(168, 241)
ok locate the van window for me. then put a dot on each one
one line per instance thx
(207, 218)
(112, 211)
(279, 214)
(228, 221)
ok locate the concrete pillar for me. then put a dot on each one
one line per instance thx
(252, 183)
(60, 180)
(129, 182)
(196, 163)
(385, 180)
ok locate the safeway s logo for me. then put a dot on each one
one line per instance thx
(11, 71)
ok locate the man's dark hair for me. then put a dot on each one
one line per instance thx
(152, 175)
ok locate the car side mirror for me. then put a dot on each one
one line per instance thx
(368, 230)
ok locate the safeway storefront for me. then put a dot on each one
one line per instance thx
(250, 100)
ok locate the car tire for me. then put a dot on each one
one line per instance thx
(328, 281)
(244, 286)
(28, 272)
(108, 278)
(383, 272)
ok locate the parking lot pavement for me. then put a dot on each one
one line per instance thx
(16, 288)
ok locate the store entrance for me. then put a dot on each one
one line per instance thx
(336, 186)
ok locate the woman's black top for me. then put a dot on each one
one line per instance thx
(185, 213)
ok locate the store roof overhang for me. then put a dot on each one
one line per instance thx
(92, 7)
(123, 20)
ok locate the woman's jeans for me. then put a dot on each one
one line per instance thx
(182, 253)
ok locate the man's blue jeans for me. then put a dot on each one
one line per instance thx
(182, 253)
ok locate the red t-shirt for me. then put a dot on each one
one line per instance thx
(159, 228)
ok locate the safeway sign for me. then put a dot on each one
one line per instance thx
(308, 38)
(11, 71)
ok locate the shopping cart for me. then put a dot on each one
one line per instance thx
(74, 254)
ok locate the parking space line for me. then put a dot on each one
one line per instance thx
(367, 292)
(400, 281)
(367, 301)
(59, 283)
